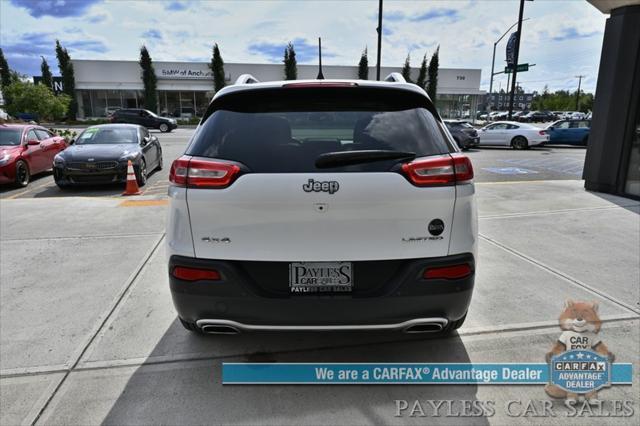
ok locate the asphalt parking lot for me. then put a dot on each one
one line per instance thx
(88, 333)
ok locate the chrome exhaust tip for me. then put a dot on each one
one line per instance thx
(425, 327)
(219, 329)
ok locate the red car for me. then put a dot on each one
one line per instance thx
(26, 150)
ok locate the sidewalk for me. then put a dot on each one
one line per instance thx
(90, 336)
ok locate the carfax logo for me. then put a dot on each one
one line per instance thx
(580, 372)
(579, 362)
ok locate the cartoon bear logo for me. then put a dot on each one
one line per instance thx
(580, 324)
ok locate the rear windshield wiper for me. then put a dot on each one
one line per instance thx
(348, 158)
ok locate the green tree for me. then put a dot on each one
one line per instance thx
(5, 71)
(36, 99)
(290, 63)
(149, 80)
(422, 75)
(406, 69)
(363, 66)
(561, 100)
(47, 77)
(68, 78)
(217, 68)
(432, 84)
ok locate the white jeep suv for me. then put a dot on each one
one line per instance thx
(321, 205)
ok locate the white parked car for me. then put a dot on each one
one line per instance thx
(575, 115)
(498, 115)
(321, 205)
(513, 134)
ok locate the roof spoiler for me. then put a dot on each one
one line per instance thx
(247, 79)
(395, 77)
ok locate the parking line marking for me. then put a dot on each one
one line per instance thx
(85, 237)
(561, 275)
(143, 203)
(546, 212)
(503, 182)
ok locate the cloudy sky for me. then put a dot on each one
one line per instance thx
(562, 37)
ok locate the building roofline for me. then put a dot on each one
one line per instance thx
(255, 63)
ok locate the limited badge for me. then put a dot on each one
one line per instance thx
(436, 227)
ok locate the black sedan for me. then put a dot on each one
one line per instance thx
(100, 154)
(537, 117)
(465, 135)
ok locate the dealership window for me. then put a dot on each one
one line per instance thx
(114, 100)
(130, 99)
(202, 102)
(457, 106)
(173, 103)
(187, 104)
(99, 103)
(87, 108)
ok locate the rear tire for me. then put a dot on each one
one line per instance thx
(519, 142)
(192, 327)
(454, 325)
(23, 176)
(585, 141)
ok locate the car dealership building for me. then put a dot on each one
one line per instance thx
(185, 88)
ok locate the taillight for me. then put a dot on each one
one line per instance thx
(453, 272)
(441, 170)
(178, 172)
(195, 274)
(463, 167)
(198, 173)
(542, 133)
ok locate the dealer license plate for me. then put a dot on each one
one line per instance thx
(317, 277)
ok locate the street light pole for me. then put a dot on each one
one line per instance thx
(379, 29)
(579, 77)
(515, 59)
(493, 59)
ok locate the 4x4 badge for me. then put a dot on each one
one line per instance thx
(329, 186)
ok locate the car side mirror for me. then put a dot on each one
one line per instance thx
(145, 141)
(33, 142)
(72, 141)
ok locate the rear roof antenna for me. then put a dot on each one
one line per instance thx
(320, 76)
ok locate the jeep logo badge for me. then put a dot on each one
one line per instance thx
(436, 227)
(330, 186)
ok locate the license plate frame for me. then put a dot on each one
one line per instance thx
(320, 277)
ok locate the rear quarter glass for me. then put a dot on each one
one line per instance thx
(284, 130)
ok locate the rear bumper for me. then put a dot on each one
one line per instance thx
(538, 142)
(403, 300)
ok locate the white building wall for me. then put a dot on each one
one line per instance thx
(125, 75)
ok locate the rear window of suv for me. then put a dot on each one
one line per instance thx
(286, 129)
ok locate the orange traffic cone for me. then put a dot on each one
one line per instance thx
(132, 183)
